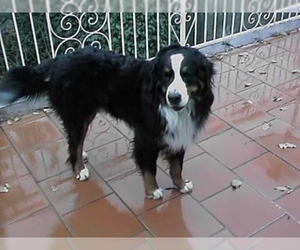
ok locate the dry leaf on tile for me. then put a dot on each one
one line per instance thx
(9, 122)
(262, 72)
(247, 102)
(16, 119)
(286, 189)
(283, 108)
(251, 70)
(277, 99)
(266, 126)
(54, 188)
(48, 110)
(5, 188)
(296, 71)
(36, 113)
(273, 61)
(236, 183)
(248, 84)
(286, 145)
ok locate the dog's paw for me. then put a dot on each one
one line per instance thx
(84, 156)
(156, 194)
(84, 174)
(188, 186)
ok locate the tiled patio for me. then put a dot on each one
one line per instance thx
(46, 200)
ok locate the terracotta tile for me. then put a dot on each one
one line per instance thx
(287, 60)
(223, 97)
(191, 152)
(284, 227)
(243, 116)
(279, 132)
(242, 211)
(114, 219)
(291, 115)
(32, 134)
(290, 43)
(208, 176)
(235, 80)
(221, 66)
(267, 172)
(100, 132)
(223, 234)
(262, 95)
(35, 243)
(24, 119)
(4, 143)
(123, 128)
(47, 160)
(44, 223)
(144, 234)
(24, 198)
(265, 51)
(291, 88)
(274, 75)
(223, 145)
(213, 126)
(244, 60)
(70, 194)
(130, 189)
(289, 204)
(180, 217)
(105, 243)
(113, 159)
(11, 166)
(279, 243)
(293, 158)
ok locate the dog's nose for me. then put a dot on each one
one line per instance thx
(174, 97)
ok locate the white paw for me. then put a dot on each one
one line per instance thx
(84, 156)
(187, 187)
(157, 194)
(84, 174)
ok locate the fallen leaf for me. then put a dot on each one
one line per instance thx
(266, 126)
(277, 99)
(236, 183)
(296, 71)
(36, 113)
(48, 110)
(262, 72)
(5, 188)
(251, 70)
(16, 119)
(54, 188)
(9, 122)
(248, 84)
(283, 109)
(247, 102)
(286, 145)
(281, 189)
(273, 61)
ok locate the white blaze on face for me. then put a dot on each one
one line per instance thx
(178, 85)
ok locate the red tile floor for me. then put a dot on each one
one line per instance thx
(46, 200)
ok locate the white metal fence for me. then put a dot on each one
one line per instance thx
(137, 27)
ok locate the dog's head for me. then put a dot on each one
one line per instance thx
(180, 75)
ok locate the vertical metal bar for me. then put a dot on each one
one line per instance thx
(242, 15)
(3, 50)
(134, 27)
(146, 27)
(157, 25)
(182, 23)
(169, 22)
(50, 32)
(196, 22)
(108, 24)
(18, 37)
(122, 27)
(34, 38)
(233, 17)
(215, 20)
(205, 21)
(224, 18)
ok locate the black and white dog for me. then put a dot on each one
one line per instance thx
(166, 102)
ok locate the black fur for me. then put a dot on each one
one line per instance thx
(90, 80)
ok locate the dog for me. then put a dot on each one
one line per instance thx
(165, 101)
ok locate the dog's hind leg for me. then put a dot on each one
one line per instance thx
(76, 132)
(145, 157)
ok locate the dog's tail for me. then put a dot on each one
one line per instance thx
(25, 82)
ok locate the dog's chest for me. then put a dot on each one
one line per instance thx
(180, 129)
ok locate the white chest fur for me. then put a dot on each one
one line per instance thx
(180, 128)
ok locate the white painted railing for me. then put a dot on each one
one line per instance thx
(137, 27)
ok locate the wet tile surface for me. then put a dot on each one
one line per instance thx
(45, 199)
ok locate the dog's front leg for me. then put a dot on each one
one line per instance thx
(176, 164)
